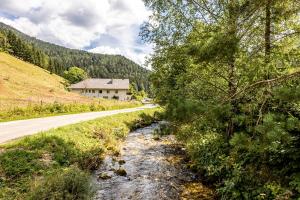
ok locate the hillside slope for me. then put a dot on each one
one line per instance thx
(60, 59)
(22, 83)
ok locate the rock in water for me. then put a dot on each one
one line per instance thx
(121, 172)
(104, 176)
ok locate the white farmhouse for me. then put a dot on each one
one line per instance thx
(103, 88)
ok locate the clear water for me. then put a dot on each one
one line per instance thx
(154, 170)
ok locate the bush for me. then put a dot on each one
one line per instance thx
(68, 184)
(75, 75)
(209, 153)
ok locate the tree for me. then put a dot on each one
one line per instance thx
(4, 45)
(226, 71)
(135, 93)
(75, 75)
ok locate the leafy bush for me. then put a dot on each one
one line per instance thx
(208, 151)
(75, 75)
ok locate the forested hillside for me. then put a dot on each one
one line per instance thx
(57, 59)
(228, 73)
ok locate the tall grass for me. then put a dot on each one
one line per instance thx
(56, 108)
(54, 164)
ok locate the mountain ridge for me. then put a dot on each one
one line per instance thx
(33, 39)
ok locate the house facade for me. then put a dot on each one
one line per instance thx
(103, 88)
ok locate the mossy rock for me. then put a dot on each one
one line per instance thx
(121, 162)
(121, 172)
(104, 176)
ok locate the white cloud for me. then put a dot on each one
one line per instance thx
(125, 51)
(80, 24)
(106, 49)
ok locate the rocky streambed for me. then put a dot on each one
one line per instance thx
(148, 168)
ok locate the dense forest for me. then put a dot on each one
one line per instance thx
(228, 73)
(57, 59)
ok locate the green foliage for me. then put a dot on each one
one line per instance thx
(213, 162)
(15, 163)
(23, 50)
(229, 79)
(4, 45)
(75, 75)
(70, 184)
(54, 164)
(136, 94)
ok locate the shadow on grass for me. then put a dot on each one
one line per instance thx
(143, 121)
(33, 157)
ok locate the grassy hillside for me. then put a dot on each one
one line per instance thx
(22, 83)
(28, 91)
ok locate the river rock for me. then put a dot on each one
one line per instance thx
(104, 176)
(121, 162)
(121, 172)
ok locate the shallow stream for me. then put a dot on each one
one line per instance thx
(148, 168)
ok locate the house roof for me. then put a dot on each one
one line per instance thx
(102, 84)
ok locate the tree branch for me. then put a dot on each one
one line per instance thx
(266, 82)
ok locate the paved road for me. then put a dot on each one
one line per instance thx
(15, 129)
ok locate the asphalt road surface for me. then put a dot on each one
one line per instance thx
(15, 129)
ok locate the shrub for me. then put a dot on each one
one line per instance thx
(69, 184)
(75, 75)
(209, 153)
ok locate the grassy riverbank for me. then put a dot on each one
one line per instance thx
(56, 164)
(56, 108)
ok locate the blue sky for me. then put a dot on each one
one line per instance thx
(99, 26)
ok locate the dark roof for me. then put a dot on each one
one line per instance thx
(102, 84)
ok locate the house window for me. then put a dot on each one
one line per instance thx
(105, 97)
(107, 91)
(93, 91)
(116, 91)
(100, 91)
(116, 97)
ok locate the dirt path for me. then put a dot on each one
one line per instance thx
(148, 168)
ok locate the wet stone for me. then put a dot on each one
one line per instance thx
(121, 162)
(104, 176)
(121, 172)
